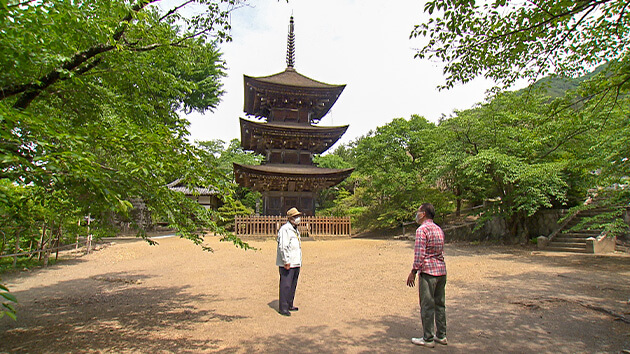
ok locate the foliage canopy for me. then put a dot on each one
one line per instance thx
(507, 40)
(89, 99)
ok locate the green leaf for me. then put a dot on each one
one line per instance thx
(9, 297)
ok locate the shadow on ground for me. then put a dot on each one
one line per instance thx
(108, 313)
(524, 312)
(569, 309)
(393, 333)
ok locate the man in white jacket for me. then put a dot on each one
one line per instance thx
(289, 261)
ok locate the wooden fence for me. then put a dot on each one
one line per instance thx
(310, 226)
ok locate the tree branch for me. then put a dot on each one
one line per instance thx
(12, 90)
(174, 10)
(34, 90)
(564, 141)
(539, 7)
(564, 38)
(574, 11)
(31, 91)
(193, 35)
(621, 13)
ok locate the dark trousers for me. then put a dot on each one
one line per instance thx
(288, 284)
(432, 306)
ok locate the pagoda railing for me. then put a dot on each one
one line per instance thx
(310, 226)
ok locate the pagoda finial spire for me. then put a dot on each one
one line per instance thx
(291, 45)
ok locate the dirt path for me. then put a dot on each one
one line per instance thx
(175, 298)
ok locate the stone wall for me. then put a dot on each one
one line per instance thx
(543, 223)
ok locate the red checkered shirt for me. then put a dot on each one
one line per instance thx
(429, 249)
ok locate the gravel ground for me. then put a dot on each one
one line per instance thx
(130, 297)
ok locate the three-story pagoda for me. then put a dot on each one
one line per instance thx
(290, 104)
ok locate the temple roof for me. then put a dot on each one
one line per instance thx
(286, 177)
(260, 136)
(294, 170)
(290, 77)
(289, 89)
(178, 186)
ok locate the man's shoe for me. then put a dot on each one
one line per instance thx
(420, 341)
(293, 308)
(283, 313)
(442, 341)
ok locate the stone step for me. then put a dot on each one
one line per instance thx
(576, 221)
(569, 239)
(579, 234)
(594, 211)
(568, 244)
(576, 241)
(566, 249)
(584, 231)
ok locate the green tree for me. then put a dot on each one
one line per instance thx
(89, 101)
(608, 158)
(389, 180)
(520, 151)
(222, 158)
(89, 98)
(328, 200)
(229, 211)
(507, 40)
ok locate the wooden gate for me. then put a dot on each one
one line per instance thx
(311, 226)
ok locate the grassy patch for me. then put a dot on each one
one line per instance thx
(23, 263)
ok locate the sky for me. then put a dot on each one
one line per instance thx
(363, 44)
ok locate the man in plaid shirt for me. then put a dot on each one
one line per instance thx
(429, 262)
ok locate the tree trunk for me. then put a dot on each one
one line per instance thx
(4, 242)
(46, 253)
(58, 241)
(76, 246)
(17, 247)
(518, 228)
(48, 247)
(458, 209)
(88, 242)
(41, 243)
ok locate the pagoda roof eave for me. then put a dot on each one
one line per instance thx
(295, 127)
(256, 136)
(288, 170)
(289, 84)
(290, 77)
(288, 178)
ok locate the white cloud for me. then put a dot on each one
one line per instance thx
(363, 44)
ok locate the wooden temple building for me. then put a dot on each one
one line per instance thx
(289, 105)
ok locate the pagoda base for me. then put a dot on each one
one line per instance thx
(278, 202)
